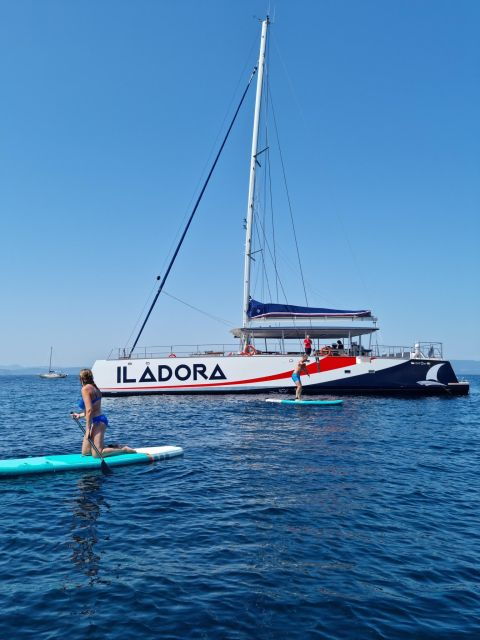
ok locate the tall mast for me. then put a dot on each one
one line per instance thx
(253, 166)
(50, 365)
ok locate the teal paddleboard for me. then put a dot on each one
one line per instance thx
(314, 402)
(76, 462)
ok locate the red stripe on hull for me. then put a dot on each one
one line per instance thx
(331, 362)
(328, 363)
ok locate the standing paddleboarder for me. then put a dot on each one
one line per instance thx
(96, 422)
(300, 368)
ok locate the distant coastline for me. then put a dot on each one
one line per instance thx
(17, 370)
(461, 368)
(466, 367)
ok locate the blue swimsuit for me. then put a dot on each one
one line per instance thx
(101, 418)
(295, 377)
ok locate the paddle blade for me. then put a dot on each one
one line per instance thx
(105, 468)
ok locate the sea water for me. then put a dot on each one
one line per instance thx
(354, 521)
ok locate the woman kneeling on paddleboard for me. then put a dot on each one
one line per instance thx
(95, 421)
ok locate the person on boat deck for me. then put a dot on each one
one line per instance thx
(307, 343)
(96, 422)
(339, 344)
(300, 368)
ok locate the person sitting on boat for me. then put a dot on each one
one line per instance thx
(339, 345)
(300, 368)
(96, 422)
(307, 343)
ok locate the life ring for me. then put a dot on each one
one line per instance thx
(249, 350)
(325, 351)
(172, 355)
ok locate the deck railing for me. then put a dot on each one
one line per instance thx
(174, 350)
(432, 350)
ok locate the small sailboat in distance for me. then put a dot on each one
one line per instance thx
(51, 373)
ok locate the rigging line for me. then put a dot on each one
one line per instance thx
(300, 109)
(181, 224)
(140, 315)
(272, 222)
(265, 119)
(304, 120)
(263, 225)
(194, 210)
(289, 203)
(257, 277)
(264, 270)
(258, 272)
(268, 170)
(290, 82)
(205, 313)
(353, 255)
(322, 295)
(292, 268)
(264, 238)
(209, 156)
(273, 227)
(275, 268)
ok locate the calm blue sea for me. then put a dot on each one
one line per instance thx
(279, 522)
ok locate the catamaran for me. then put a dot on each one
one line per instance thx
(344, 358)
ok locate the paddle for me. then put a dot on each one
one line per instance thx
(104, 466)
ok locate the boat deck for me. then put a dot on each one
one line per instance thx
(431, 350)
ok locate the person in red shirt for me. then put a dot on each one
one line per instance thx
(307, 345)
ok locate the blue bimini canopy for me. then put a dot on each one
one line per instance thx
(258, 310)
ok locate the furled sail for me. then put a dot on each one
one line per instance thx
(270, 310)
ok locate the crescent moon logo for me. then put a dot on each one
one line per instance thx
(431, 379)
(432, 373)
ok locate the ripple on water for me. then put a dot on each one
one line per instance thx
(356, 522)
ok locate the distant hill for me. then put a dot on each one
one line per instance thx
(17, 370)
(466, 367)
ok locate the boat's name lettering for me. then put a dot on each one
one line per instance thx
(164, 373)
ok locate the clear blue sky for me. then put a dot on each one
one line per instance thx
(109, 112)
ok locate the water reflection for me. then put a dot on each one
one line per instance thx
(87, 506)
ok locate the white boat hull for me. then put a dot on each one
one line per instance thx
(265, 373)
(53, 376)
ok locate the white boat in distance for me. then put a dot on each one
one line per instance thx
(51, 374)
(270, 340)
